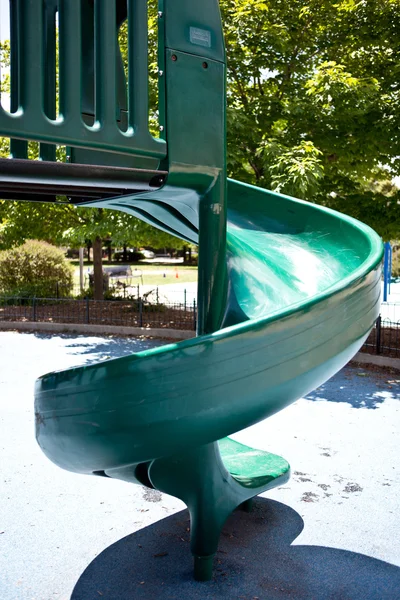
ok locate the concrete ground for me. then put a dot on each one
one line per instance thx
(332, 532)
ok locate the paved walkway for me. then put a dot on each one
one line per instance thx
(331, 533)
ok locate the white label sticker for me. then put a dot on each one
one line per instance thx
(200, 37)
(216, 208)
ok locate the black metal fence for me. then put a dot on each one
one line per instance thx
(127, 313)
(384, 339)
(116, 289)
(123, 287)
(151, 310)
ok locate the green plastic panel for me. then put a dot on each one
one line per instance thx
(303, 294)
(287, 342)
(199, 120)
(33, 93)
(251, 468)
(194, 28)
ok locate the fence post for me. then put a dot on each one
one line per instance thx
(138, 291)
(194, 314)
(184, 299)
(140, 312)
(87, 311)
(81, 278)
(157, 295)
(34, 308)
(378, 334)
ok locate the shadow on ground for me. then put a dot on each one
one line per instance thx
(98, 349)
(111, 348)
(359, 387)
(255, 560)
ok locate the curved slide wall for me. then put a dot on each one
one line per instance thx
(304, 294)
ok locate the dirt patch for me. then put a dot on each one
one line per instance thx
(152, 495)
(324, 486)
(353, 487)
(309, 497)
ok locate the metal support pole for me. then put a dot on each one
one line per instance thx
(87, 311)
(81, 279)
(386, 271)
(378, 334)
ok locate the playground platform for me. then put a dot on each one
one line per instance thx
(331, 532)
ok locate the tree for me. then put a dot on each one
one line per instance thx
(63, 223)
(313, 101)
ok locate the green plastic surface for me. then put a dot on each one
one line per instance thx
(303, 294)
(252, 468)
(288, 291)
(285, 340)
(89, 107)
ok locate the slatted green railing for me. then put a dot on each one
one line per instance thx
(33, 78)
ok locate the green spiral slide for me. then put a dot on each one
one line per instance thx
(288, 290)
(304, 290)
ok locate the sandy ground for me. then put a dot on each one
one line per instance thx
(332, 532)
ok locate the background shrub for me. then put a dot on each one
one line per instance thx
(35, 269)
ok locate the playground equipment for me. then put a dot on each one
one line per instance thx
(387, 270)
(288, 291)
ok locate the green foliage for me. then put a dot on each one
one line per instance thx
(295, 171)
(20, 221)
(64, 224)
(152, 8)
(313, 110)
(5, 64)
(396, 260)
(88, 293)
(314, 101)
(376, 203)
(34, 269)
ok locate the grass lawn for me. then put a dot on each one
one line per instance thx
(148, 274)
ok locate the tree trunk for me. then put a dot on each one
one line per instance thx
(125, 255)
(187, 255)
(88, 252)
(98, 292)
(109, 252)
